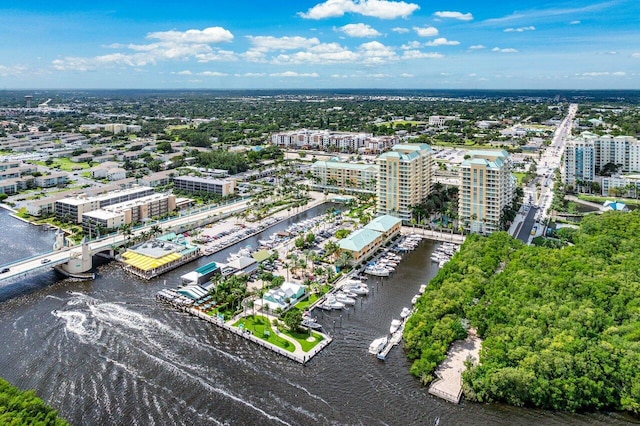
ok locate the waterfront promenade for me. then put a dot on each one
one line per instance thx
(448, 385)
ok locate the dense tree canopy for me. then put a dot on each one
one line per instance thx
(19, 407)
(561, 327)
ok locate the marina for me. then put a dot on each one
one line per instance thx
(110, 336)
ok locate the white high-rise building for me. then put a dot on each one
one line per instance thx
(588, 154)
(405, 179)
(579, 161)
(486, 188)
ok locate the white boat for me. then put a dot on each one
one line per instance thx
(415, 299)
(395, 325)
(405, 312)
(360, 291)
(377, 345)
(378, 272)
(342, 298)
(333, 303)
(423, 287)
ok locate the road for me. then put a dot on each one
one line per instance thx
(527, 225)
(24, 266)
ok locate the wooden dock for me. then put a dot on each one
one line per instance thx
(396, 338)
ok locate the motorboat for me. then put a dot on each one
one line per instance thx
(415, 299)
(342, 298)
(377, 345)
(360, 291)
(395, 325)
(333, 303)
(377, 271)
(422, 289)
(311, 323)
(405, 312)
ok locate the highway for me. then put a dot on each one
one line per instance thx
(537, 202)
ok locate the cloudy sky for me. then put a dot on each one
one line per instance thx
(458, 44)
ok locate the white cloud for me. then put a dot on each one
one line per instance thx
(574, 23)
(359, 30)
(267, 43)
(473, 74)
(406, 75)
(172, 45)
(442, 42)
(325, 53)
(445, 74)
(251, 74)
(213, 74)
(426, 31)
(208, 35)
(504, 50)
(12, 70)
(477, 47)
(375, 52)
(185, 72)
(382, 9)
(455, 15)
(411, 45)
(293, 74)
(520, 30)
(604, 73)
(416, 54)
(635, 55)
(378, 75)
(400, 30)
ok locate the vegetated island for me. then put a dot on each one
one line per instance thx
(18, 407)
(561, 327)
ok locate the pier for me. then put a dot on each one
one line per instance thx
(394, 341)
(448, 385)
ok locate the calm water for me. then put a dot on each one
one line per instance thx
(104, 352)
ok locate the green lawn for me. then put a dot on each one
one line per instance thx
(519, 176)
(601, 200)
(64, 164)
(303, 305)
(258, 325)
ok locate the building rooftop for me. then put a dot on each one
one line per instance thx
(383, 223)
(359, 239)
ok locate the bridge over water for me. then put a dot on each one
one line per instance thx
(77, 260)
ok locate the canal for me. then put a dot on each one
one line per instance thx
(104, 352)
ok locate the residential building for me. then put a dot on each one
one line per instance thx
(72, 208)
(133, 211)
(486, 188)
(351, 177)
(625, 185)
(364, 242)
(157, 179)
(52, 179)
(405, 179)
(222, 187)
(579, 162)
(326, 140)
(588, 154)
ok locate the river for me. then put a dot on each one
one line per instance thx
(104, 352)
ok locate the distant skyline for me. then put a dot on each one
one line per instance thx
(361, 44)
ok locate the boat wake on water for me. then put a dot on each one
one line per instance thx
(143, 354)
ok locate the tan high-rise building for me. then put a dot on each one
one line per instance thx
(486, 188)
(405, 179)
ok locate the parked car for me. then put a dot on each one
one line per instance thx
(45, 261)
(4, 270)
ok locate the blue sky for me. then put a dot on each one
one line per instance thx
(284, 44)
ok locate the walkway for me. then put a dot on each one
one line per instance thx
(448, 386)
(575, 199)
(434, 235)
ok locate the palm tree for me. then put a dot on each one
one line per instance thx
(156, 229)
(125, 228)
